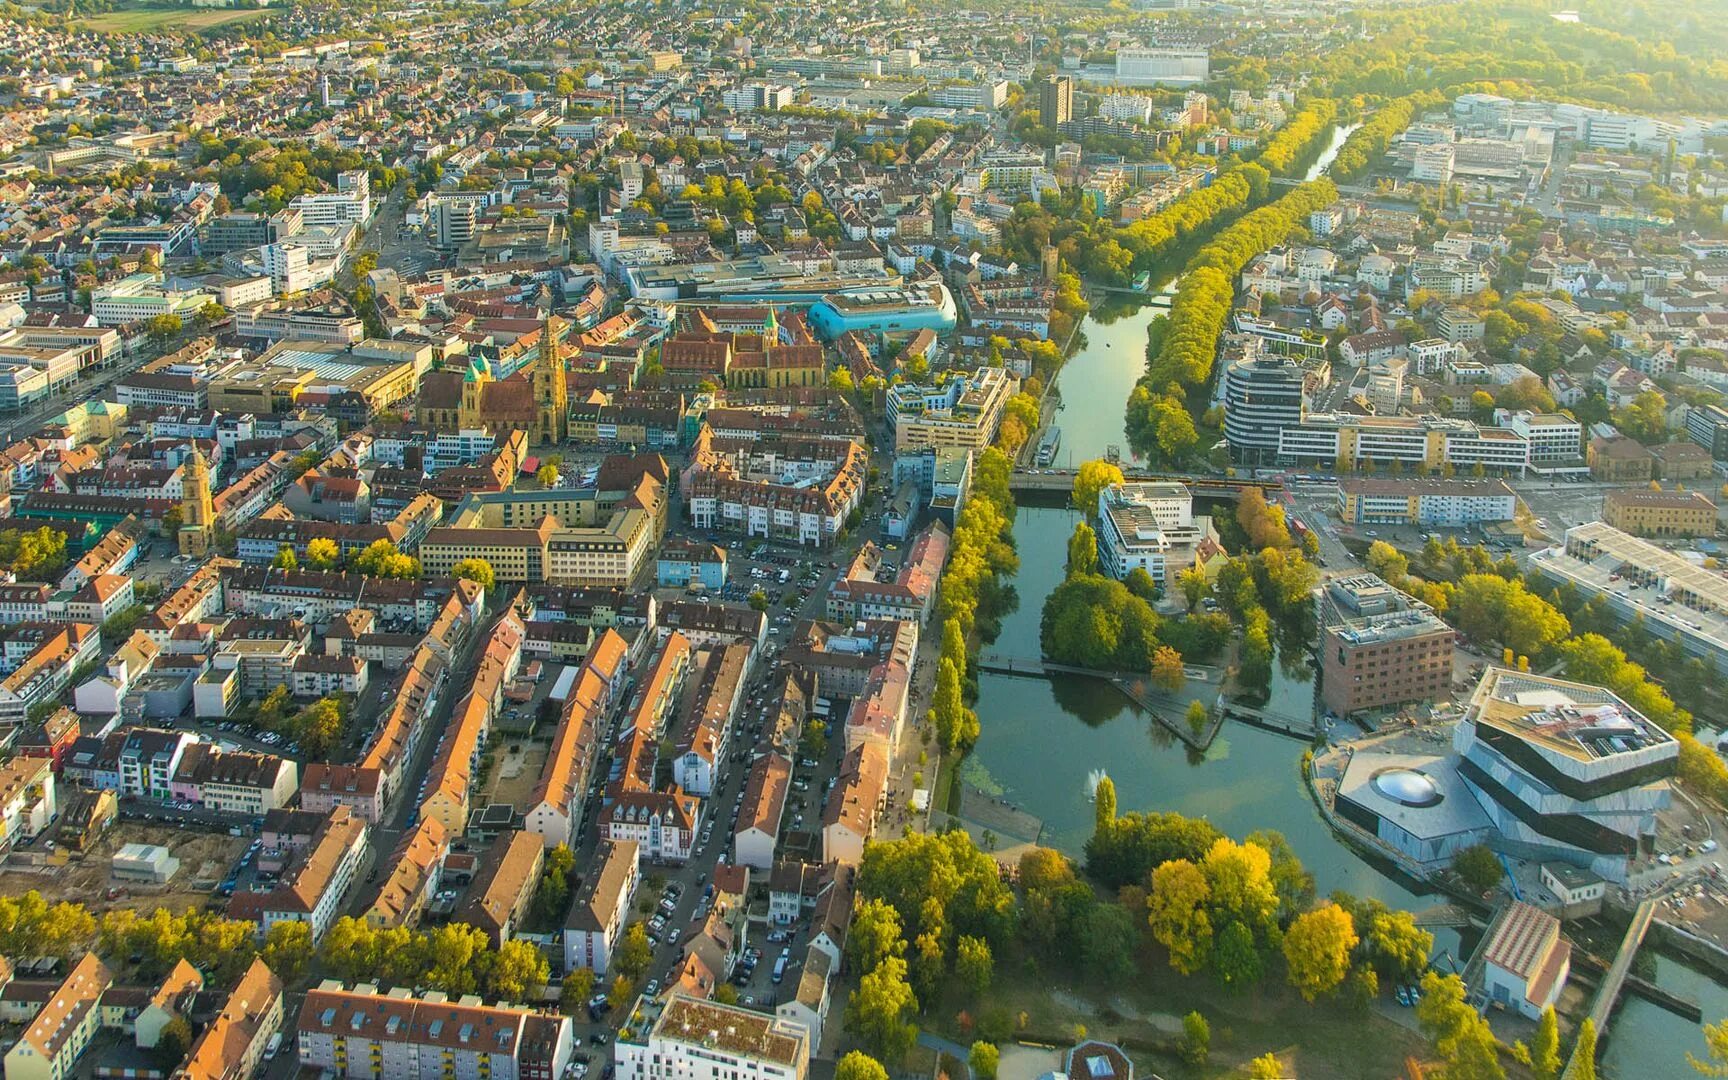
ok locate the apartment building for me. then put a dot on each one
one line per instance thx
(362, 1033)
(1659, 513)
(316, 882)
(1367, 500)
(233, 1044)
(555, 808)
(964, 412)
(498, 898)
(597, 918)
(62, 1029)
(694, 1039)
(1380, 647)
(235, 782)
(412, 874)
(864, 590)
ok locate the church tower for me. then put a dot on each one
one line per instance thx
(474, 380)
(197, 508)
(551, 390)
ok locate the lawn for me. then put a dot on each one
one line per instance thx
(1325, 1039)
(144, 20)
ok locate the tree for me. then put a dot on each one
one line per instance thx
(1167, 672)
(518, 971)
(1460, 1035)
(322, 553)
(1089, 480)
(1388, 562)
(984, 1059)
(1103, 811)
(1108, 935)
(1236, 960)
(858, 1065)
(878, 1011)
(840, 379)
(1542, 1055)
(1716, 1045)
(288, 950)
(162, 328)
(173, 1041)
(758, 600)
(874, 935)
(1196, 1039)
(381, 559)
(318, 727)
(1317, 950)
(285, 558)
(973, 963)
(1197, 717)
(479, 571)
(1398, 945)
(1583, 1066)
(635, 954)
(1264, 525)
(578, 986)
(1266, 1067)
(1082, 550)
(1477, 867)
(1177, 914)
(547, 475)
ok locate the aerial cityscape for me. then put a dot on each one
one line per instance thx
(647, 540)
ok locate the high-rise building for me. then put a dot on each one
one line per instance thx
(1262, 396)
(1380, 647)
(1056, 101)
(197, 508)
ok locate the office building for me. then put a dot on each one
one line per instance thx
(1677, 599)
(1707, 425)
(143, 296)
(693, 1039)
(1055, 101)
(1149, 65)
(365, 1033)
(1150, 527)
(562, 535)
(964, 412)
(1367, 500)
(1262, 397)
(1565, 770)
(1414, 443)
(289, 267)
(1659, 513)
(1380, 647)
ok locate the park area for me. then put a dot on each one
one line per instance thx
(140, 19)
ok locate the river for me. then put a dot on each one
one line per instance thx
(1041, 740)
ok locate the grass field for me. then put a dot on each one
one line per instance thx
(144, 20)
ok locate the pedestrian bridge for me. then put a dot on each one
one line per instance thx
(1062, 480)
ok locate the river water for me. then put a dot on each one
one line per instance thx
(1042, 740)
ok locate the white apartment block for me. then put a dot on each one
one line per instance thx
(692, 1039)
